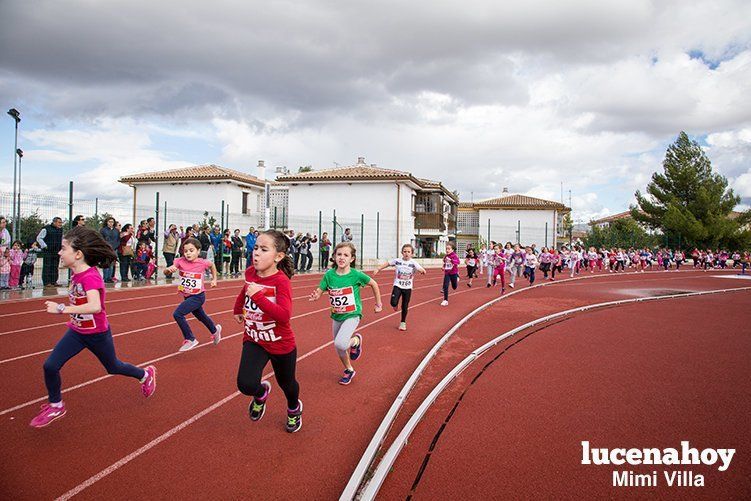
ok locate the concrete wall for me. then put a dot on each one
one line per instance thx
(504, 224)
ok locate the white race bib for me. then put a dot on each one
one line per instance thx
(448, 265)
(77, 297)
(342, 300)
(258, 325)
(190, 283)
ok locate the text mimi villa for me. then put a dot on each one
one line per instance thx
(686, 455)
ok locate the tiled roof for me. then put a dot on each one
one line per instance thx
(355, 172)
(518, 202)
(614, 217)
(363, 172)
(209, 172)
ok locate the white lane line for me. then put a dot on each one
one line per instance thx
(370, 490)
(140, 451)
(170, 355)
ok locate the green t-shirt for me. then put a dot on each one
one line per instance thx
(344, 293)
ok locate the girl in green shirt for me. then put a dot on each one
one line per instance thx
(343, 283)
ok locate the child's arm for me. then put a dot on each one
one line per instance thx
(93, 305)
(316, 294)
(377, 293)
(281, 311)
(382, 267)
(213, 274)
(237, 311)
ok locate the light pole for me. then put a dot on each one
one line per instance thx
(17, 222)
(17, 117)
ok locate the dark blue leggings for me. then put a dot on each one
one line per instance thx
(453, 280)
(71, 344)
(193, 304)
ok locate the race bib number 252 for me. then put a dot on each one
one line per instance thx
(342, 300)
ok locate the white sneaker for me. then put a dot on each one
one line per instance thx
(511, 285)
(217, 336)
(403, 326)
(188, 345)
(444, 303)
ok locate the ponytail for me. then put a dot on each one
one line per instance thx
(96, 251)
(281, 244)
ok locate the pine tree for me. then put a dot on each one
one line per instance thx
(688, 202)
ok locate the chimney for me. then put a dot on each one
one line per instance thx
(360, 160)
(505, 190)
(373, 165)
(282, 169)
(261, 170)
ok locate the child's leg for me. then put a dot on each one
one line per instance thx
(189, 304)
(343, 336)
(202, 316)
(252, 362)
(454, 281)
(490, 273)
(513, 275)
(284, 371)
(446, 281)
(15, 273)
(68, 347)
(103, 347)
(531, 274)
(502, 272)
(406, 296)
(4, 280)
(396, 293)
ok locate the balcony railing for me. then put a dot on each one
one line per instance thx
(429, 220)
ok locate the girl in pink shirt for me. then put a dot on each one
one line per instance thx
(84, 249)
(191, 270)
(17, 256)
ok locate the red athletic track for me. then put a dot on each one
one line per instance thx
(659, 373)
(223, 454)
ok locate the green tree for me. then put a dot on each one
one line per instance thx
(688, 202)
(568, 226)
(97, 220)
(622, 233)
(31, 225)
(304, 168)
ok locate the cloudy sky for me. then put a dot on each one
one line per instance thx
(478, 94)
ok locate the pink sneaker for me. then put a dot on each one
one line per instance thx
(148, 387)
(47, 415)
(217, 336)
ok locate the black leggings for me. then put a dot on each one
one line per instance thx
(406, 295)
(454, 280)
(556, 267)
(252, 362)
(544, 268)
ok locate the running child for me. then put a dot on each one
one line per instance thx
(84, 249)
(500, 267)
(403, 281)
(490, 262)
(450, 272)
(546, 258)
(556, 263)
(592, 257)
(190, 284)
(471, 261)
(530, 264)
(264, 307)
(516, 260)
(574, 256)
(343, 283)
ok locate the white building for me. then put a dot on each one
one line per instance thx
(511, 218)
(384, 208)
(235, 197)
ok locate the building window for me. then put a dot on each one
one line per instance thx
(245, 202)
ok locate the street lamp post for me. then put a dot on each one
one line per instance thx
(17, 222)
(17, 117)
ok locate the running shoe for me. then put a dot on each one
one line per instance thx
(47, 415)
(403, 326)
(444, 303)
(356, 351)
(148, 386)
(217, 336)
(257, 407)
(347, 377)
(511, 285)
(188, 345)
(294, 418)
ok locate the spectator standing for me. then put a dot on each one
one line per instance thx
(112, 237)
(250, 243)
(4, 233)
(50, 240)
(171, 243)
(311, 240)
(205, 239)
(324, 251)
(347, 235)
(237, 252)
(125, 251)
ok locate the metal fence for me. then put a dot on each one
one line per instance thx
(375, 238)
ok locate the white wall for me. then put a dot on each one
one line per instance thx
(350, 202)
(504, 223)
